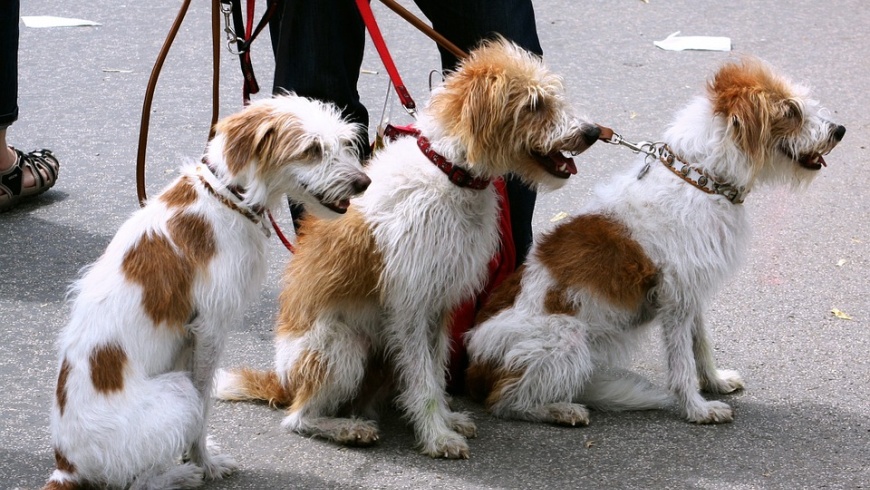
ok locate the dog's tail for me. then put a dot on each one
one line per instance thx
(251, 385)
(64, 476)
(624, 390)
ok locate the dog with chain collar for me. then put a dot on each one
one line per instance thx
(651, 248)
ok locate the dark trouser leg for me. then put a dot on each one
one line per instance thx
(9, 10)
(318, 47)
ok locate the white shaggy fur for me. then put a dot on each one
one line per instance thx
(695, 240)
(155, 411)
(432, 240)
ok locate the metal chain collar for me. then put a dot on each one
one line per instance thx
(693, 175)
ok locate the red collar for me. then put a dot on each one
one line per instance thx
(456, 174)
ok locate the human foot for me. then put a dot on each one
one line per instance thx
(28, 175)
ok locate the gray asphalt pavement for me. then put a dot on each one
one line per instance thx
(803, 420)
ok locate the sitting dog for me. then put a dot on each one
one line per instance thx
(651, 248)
(372, 292)
(149, 318)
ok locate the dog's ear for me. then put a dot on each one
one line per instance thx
(481, 113)
(245, 133)
(263, 133)
(751, 100)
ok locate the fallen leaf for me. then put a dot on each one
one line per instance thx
(558, 216)
(589, 444)
(840, 314)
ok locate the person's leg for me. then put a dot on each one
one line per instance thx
(18, 170)
(9, 10)
(318, 46)
(467, 22)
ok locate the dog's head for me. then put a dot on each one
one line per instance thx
(506, 112)
(290, 145)
(782, 132)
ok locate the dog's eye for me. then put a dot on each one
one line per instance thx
(792, 110)
(314, 152)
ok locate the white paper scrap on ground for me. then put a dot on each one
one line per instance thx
(52, 21)
(703, 43)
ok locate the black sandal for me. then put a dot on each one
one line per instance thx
(44, 167)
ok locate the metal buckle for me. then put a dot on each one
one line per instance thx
(232, 38)
(459, 177)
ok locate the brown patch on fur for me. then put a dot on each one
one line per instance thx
(306, 377)
(337, 262)
(165, 274)
(503, 297)
(758, 104)
(263, 133)
(262, 386)
(180, 195)
(194, 237)
(60, 392)
(555, 303)
(69, 485)
(107, 368)
(165, 279)
(486, 383)
(596, 253)
(62, 463)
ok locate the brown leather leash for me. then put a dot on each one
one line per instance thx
(218, 7)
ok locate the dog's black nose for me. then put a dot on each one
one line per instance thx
(361, 184)
(839, 132)
(591, 134)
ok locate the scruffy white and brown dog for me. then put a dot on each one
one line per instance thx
(149, 318)
(652, 247)
(371, 293)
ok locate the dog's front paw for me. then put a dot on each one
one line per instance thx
(726, 381)
(461, 423)
(219, 466)
(712, 412)
(448, 446)
(357, 432)
(568, 414)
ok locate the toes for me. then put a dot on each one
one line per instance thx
(452, 446)
(726, 382)
(568, 414)
(220, 466)
(461, 423)
(712, 413)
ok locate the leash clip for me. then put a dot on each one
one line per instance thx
(646, 147)
(232, 38)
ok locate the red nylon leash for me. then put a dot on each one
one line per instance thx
(284, 240)
(365, 11)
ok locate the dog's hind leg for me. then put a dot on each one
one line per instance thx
(323, 379)
(678, 326)
(711, 380)
(532, 366)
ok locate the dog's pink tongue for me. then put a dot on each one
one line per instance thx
(562, 163)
